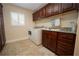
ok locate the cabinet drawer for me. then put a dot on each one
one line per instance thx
(66, 35)
(63, 52)
(68, 41)
(64, 49)
(64, 45)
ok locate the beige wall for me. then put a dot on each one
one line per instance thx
(76, 52)
(14, 33)
(69, 17)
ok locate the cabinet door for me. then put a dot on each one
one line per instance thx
(35, 16)
(43, 12)
(44, 39)
(49, 40)
(53, 41)
(56, 8)
(40, 14)
(67, 6)
(77, 5)
(48, 10)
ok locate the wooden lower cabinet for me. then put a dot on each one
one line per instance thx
(65, 44)
(59, 42)
(49, 40)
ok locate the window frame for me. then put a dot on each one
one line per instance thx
(19, 20)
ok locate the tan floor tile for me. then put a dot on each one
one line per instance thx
(25, 48)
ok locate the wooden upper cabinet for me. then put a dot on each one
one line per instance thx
(43, 12)
(60, 7)
(40, 14)
(67, 6)
(77, 4)
(49, 10)
(35, 16)
(56, 8)
(52, 9)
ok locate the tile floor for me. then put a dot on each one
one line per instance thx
(25, 48)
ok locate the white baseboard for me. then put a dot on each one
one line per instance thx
(14, 40)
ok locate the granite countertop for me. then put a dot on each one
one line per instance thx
(59, 30)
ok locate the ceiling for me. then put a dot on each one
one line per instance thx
(32, 6)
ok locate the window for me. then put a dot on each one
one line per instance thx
(56, 22)
(17, 19)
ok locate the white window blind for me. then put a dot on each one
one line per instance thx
(57, 22)
(17, 19)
